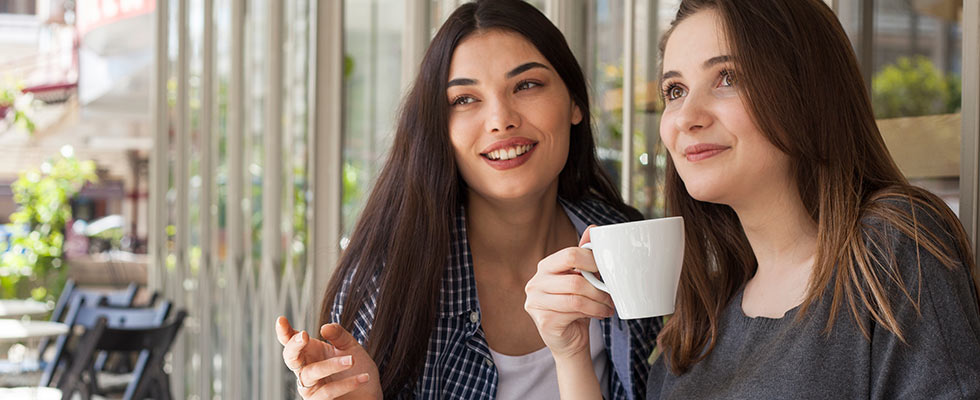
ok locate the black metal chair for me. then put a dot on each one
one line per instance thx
(70, 292)
(83, 314)
(30, 374)
(149, 379)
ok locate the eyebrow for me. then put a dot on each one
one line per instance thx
(707, 64)
(514, 72)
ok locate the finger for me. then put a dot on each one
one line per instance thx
(293, 350)
(284, 331)
(338, 336)
(306, 392)
(558, 321)
(571, 285)
(335, 389)
(569, 304)
(586, 237)
(565, 260)
(321, 369)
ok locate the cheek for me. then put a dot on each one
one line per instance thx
(461, 134)
(668, 135)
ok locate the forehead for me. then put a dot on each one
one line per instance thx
(492, 53)
(696, 39)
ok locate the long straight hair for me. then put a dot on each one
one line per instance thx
(414, 203)
(803, 88)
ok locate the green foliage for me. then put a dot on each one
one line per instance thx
(348, 66)
(35, 256)
(913, 87)
(20, 104)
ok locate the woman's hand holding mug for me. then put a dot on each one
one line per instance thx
(561, 301)
(328, 369)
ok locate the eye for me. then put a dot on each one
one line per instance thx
(524, 85)
(727, 78)
(674, 92)
(462, 100)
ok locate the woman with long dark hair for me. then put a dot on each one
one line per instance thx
(812, 268)
(493, 167)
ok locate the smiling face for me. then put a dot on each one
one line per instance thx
(510, 116)
(718, 150)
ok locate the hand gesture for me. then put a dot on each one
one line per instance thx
(337, 367)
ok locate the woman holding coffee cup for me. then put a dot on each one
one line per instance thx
(493, 167)
(812, 269)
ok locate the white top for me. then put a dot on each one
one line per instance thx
(12, 329)
(17, 308)
(533, 376)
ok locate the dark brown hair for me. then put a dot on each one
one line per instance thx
(403, 234)
(803, 88)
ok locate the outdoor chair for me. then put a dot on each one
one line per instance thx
(149, 379)
(29, 374)
(83, 314)
(123, 298)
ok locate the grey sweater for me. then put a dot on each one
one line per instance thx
(765, 358)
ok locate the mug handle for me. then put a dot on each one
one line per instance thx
(589, 276)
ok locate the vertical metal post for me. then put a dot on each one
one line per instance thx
(415, 39)
(626, 174)
(569, 16)
(970, 148)
(272, 187)
(327, 133)
(159, 177)
(207, 136)
(181, 181)
(232, 363)
(866, 41)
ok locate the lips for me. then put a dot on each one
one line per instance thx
(508, 153)
(703, 151)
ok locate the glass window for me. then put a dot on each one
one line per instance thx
(296, 138)
(916, 65)
(604, 70)
(372, 78)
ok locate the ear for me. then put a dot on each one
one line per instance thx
(576, 114)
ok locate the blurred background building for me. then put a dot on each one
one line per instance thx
(235, 141)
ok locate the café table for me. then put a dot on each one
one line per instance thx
(37, 393)
(30, 393)
(18, 308)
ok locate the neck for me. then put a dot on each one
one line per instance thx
(510, 232)
(779, 229)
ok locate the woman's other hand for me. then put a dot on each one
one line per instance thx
(561, 301)
(328, 369)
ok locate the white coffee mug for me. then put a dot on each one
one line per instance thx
(640, 263)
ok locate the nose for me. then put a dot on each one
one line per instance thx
(693, 115)
(502, 116)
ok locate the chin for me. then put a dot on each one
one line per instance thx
(706, 192)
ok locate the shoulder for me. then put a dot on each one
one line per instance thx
(914, 238)
(593, 210)
(911, 220)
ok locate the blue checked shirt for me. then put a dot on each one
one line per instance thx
(458, 364)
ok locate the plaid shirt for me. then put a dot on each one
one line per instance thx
(458, 364)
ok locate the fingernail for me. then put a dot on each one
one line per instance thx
(362, 378)
(298, 338)
(347, 360)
